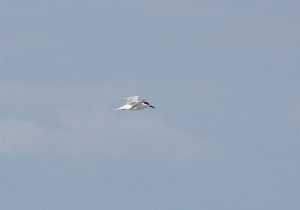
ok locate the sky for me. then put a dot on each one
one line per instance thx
(224, 76)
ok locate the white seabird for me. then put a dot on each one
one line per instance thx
(135, 103)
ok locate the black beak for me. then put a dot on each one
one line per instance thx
(152, 106)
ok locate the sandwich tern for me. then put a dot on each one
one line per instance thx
(135, 103)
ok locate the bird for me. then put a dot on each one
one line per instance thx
(135, 103)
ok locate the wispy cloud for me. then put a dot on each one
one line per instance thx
(100, 133)
(20, 136)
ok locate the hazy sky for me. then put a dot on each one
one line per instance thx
(224, 76)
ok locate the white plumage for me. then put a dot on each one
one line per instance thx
(135, 103)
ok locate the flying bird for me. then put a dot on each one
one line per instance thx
(135, 103)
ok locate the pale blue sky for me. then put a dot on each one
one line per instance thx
(224, 76)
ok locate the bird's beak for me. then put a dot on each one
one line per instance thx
(152, 106)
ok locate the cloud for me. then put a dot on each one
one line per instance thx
(100, 133)
(19, 136)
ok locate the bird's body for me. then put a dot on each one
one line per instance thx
(135, 103)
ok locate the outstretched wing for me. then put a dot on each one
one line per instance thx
(132, 99)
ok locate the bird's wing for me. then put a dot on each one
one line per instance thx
(132, 99)
(135, 104)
